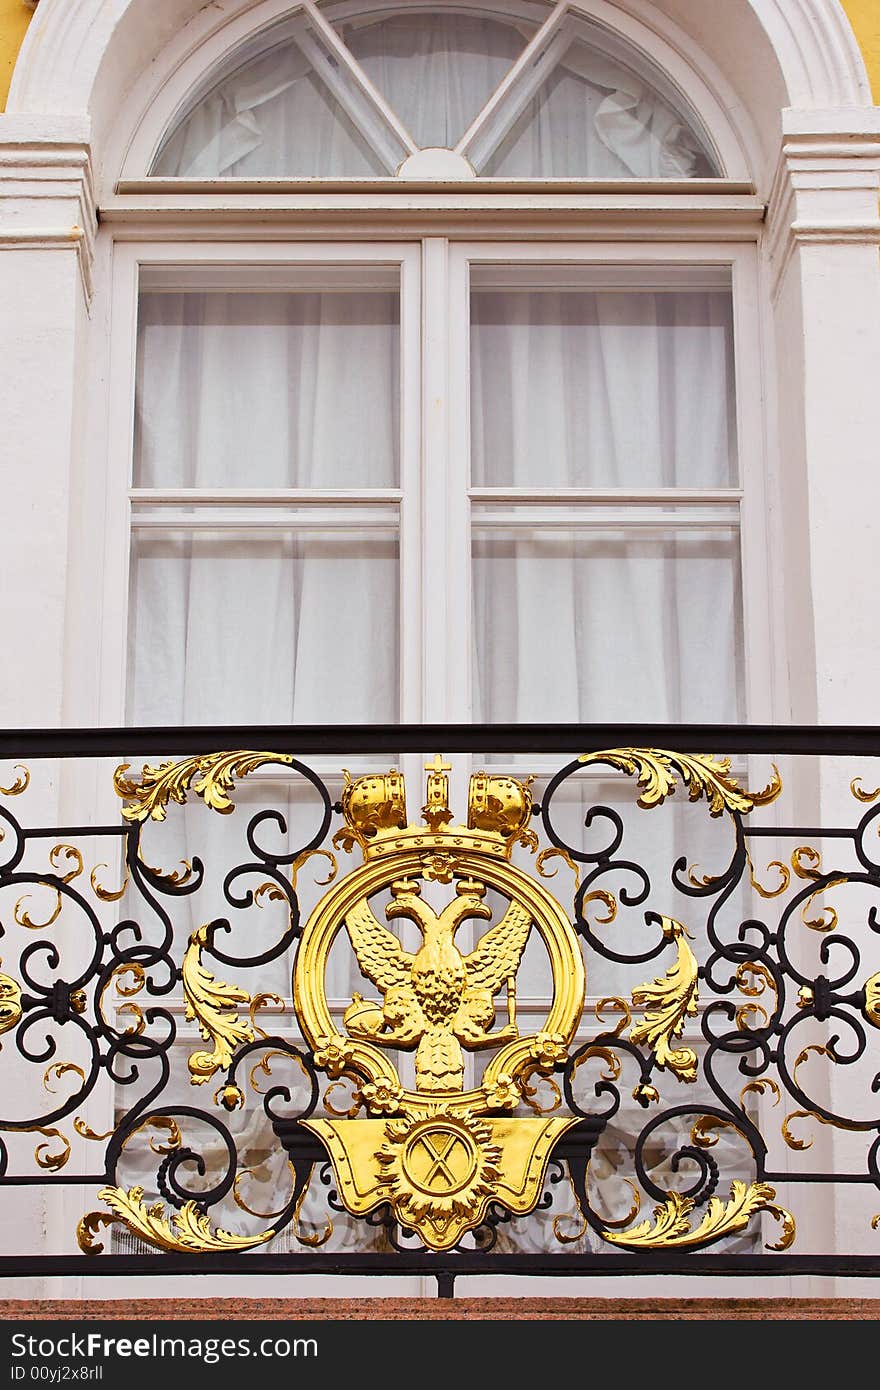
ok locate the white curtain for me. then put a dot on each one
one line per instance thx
(593, 118)
(436, 71)
(605, 390)
(265, 391)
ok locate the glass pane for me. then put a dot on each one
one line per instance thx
(436, 71)
(275, 115)
(259, 390)
(286, 628)
(602, 389)
(290, 104)
(607, 626)
(596, 118)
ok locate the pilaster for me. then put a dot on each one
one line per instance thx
(48, 224)
(821, 247)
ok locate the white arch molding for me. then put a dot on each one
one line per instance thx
(746, 61)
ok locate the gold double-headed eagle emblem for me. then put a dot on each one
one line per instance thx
(437, 1152)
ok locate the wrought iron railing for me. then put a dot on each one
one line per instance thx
(621, 1019)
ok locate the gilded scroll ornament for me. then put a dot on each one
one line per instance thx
(101, 892)
(667, 1003)
(671, 1228)
(312, 1239)
(211, 776)
(189, 1230)
(792, 1139)
(860, 793)
(21, 783)
(871, 1008)
(703, 776)
(10, 1002)
(214, 1007)
(436, 1152)
(57, 857)
(85, 1131)
(53, 1153)
(59, 1069)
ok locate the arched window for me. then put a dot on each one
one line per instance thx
(469, 455)
(363, 95)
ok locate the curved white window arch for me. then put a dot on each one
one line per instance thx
(349, 91)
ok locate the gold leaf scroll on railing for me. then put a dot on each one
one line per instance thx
(21, 783)
(671, 1228)
(213, 1005)
(56, 854)
(707, 776)
(871, 1008)
(211, 776)
(10, 1002)
(188, 1232)
(668, 1002)
(44, 1155)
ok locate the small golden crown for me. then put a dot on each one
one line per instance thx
(374, 810)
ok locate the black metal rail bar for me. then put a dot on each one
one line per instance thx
(418, 1263)
(316, 739)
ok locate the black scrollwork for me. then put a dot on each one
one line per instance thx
(775, 997)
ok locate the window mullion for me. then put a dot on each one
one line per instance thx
(410, 508)
(517, 89)
(348, 82)
(444, 498)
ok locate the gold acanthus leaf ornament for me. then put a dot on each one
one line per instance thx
(668, 1002)
(211, 776)
(703, 775)
(671, 1228)
(213, 1005)
(188, 1232)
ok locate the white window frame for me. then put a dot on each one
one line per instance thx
(434, 499)
(301, 267)
(191, 57)
(606, 265)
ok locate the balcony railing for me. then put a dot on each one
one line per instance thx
(606, 1004)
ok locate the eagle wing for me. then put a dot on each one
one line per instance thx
(380, 955)
(500, 951)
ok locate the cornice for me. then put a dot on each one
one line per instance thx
(826, 185)
(47, 190)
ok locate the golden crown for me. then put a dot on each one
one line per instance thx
(374, 810)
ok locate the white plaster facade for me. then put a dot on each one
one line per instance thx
(780, 86)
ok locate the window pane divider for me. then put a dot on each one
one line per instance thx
(279, 525)
(516, 88)
(362, 100)
(610, 521)
(567, 497)
(262, 497)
